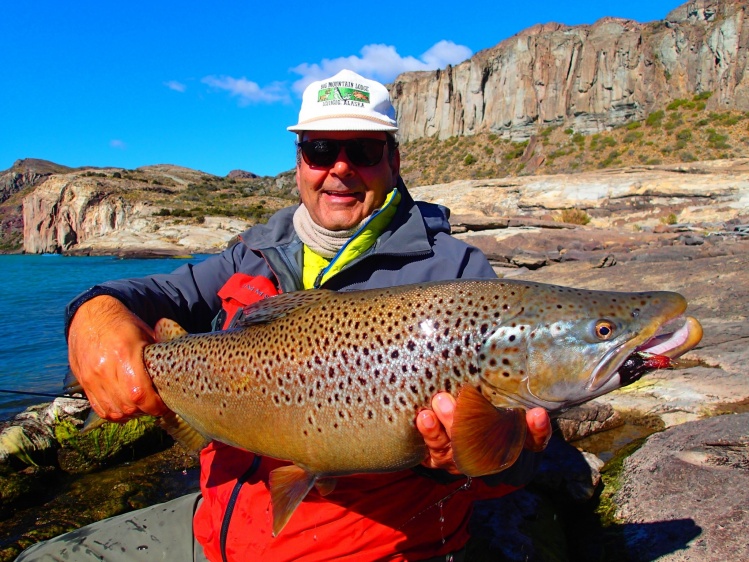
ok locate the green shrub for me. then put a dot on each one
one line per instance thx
(516, 151)
(676, 104)
(469, 159)
(687, 157)
(633, 136)
(716, 140)
(655, 118)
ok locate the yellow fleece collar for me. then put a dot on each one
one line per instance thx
(317, 269)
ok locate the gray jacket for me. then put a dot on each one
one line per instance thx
(416, 247)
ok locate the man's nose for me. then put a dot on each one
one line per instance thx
(343, 166)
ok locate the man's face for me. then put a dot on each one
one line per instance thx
(340, 196)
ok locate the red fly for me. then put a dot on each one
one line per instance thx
(657, 361)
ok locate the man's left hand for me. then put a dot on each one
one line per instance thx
(435, 426)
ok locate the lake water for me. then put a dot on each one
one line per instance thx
(34, 290)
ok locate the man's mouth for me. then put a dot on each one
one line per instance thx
(344, 195)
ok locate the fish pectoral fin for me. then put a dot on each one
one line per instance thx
(485, 439)
(182, 432)
(92, 422)
(325, 486)
(289, 485)
(167, 329)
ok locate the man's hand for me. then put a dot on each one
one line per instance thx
(435, 426)
(105, 351)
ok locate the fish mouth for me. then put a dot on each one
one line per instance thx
(672, 339)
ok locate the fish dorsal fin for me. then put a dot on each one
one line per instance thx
(182, 432)
(485, 439)
(289, 485)
(71, 385)
(281, 305)
(167, 329)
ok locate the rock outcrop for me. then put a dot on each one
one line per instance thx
(684, 494)
(588, 77)
(26, 173)
(63, 212)
(153, 210)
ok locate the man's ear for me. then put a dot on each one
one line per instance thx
(395, 166)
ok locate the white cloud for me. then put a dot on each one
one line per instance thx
(382, 62)
(378, 61)
(247, 91)
(176, 86)
(118, 144)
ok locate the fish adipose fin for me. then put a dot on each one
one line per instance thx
(288, 487)
(183, 432)
(485, 439)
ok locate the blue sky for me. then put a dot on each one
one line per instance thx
(213, 86)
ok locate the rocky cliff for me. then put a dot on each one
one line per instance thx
(588, 77)
(157, 210)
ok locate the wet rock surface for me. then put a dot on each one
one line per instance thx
(691, 481)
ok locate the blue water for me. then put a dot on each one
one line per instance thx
(33, 293)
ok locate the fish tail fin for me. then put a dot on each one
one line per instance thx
(167, 329)
(182, 432)
(485, 439)
(288, 487)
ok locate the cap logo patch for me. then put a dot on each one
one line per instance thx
(343, 93)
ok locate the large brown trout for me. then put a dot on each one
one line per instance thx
(333, 381)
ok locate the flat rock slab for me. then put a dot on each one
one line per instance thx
(685, 493)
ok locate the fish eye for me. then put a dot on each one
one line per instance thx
(604, 329)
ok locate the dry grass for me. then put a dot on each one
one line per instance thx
(684, 131)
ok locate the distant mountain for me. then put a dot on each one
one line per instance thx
(587, 77)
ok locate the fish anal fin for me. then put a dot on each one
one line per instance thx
(289, 485)
(167, 329)
(485, 439)
(182, 432)
(325, 486)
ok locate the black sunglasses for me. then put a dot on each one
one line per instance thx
(360, 152)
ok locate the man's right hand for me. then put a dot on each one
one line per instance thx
(105, 351)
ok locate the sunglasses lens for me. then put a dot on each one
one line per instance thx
(324, 152)
(364, 152)
(320, 152)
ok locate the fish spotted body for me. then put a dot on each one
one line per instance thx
(333, 381)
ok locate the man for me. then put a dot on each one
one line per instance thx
(357, 228)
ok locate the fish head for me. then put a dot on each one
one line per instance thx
(565, 346)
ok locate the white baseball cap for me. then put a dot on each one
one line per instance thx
(346, 102)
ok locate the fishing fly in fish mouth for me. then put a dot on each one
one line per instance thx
(498, 346)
